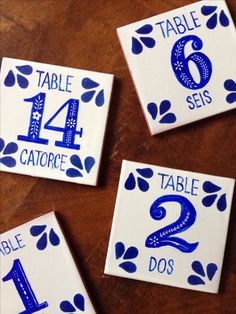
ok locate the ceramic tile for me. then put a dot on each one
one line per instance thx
(183, 63)
(38, 273)
(169, 227)
(53, 120)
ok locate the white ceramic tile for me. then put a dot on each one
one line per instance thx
(169, 226)
(55, 119)
(38, 273)
(183, 63)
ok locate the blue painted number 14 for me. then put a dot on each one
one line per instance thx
(69, 130)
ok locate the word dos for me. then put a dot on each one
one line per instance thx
(162, 265)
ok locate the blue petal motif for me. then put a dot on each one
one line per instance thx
(42, 242)
(168, 118)
(128, 266)
(152, 109)
(76, 161)
(131, 253)
(137, 48)
(130, 182)
(211, 270)
(120, 249)
(164, 106)
(53, 237)
(89, 163)
(10, 79)
(224, 21)
(231, 98)
(100, 98)
(143, 184)
(66, 307)
(37, 230)
(145, 172)
(230, 85)
(207, 201)
(195, 280)
(87, 83)
(222, 204)
(2, 144)
(145, 29)
(208, 9)
(11, 148)
(79, 301)
(8, 161)
(148, 41)
(86, 97)
(22, 81)
(212, 22)
(25, 69)
(210, 187)
(73, 173)
(197, 267)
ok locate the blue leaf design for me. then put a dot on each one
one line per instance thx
(2, 144)
(164, 106)
(212, 22)
(130, 182)
(42, 242)
(76, 161)
(66, 307)
(87, 83)
(100, 98)
(148, 41)
(89, 163)
(222, 204)
(143, 184)
(129, 267)
(230, 85)
(37, 230)
(10, 79)
(131, 253)
(8, 161)
(79, 301)
(86, 97)
(195, 280)
(152, 109)
(224, 21)
(73, 173)
(120, 249)
(145, 172)
(208, 9)
(211, 270)
(145, 29)
(53, 237)
(137, 48)
(207, 201)
(22, 81)
(210, 187)
(231, 98)
(11, 148)
(25, 69)
(168, 118)
(197, 267)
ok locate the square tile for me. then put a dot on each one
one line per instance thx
(38, 273)
(169, 227)
(183, 63)
(52, 120)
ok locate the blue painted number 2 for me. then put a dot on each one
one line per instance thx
(69, 129)
(24, 289)
(181, 64)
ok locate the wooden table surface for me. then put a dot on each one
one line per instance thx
(82, 34)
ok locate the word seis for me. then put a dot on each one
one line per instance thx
(198, 100)
(11, 245)
(178, 183)
(54, 81)
(162, 265)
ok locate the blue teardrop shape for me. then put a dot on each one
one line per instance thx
(53, 237)
(10, 79)
(131, 253)
(100, 98)
(211, 23)
(230, 85)
(8, 161)
(37, 230)
(207, 201)
(164, 106)
(25, 69)
(211, 270)
(89, 163)
(195, 280)
(148, 41)
(79, 301)
(143, 184)
(168, 118)
(87, 83)
(210, 187)
(197, 267)
(42, 242)
(231, 98)
(145, 29)
(137, 48)
(76, 161)
(128, 266)
(73, 173)
(22, 81)
(2, 144)
(11, 148)
(208, 9)
(152, 109)
(87, 96)
(145, 172)
(222, 204)
(120, 249)
(224, 21)
(66, 307)
(130, 182)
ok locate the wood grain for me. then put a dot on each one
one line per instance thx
(82, 34)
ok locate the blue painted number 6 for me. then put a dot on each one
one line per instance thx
(180, 63)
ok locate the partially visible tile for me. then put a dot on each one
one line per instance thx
(183, 63)
(38, 273)
(52, 120)
(170, 227)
